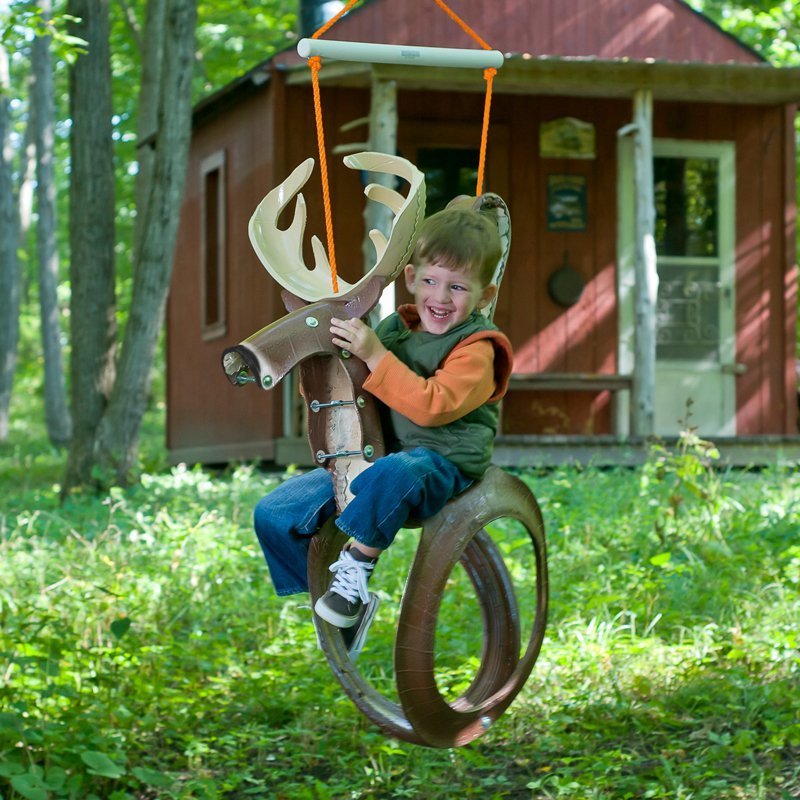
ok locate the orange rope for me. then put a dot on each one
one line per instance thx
(461, 24)
(333, 20)
(488, 75)
(315, 64)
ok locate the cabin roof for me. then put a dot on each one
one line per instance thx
(547, 58)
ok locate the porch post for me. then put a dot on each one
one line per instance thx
(382, 139)
(646, 276)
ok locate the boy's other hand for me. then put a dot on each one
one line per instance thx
(359, 339)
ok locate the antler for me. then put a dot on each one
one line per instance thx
(281, 251)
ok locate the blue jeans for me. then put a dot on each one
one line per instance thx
(417, 483)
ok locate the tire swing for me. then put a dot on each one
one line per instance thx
(345, 435)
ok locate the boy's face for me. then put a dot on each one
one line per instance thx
(445, 297)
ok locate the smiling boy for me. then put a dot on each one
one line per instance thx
(440, 368)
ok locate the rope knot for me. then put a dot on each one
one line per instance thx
(489, 73)
(315, 63)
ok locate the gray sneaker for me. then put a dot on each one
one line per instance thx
(355, 637)
(341, 605)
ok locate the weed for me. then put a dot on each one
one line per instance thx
(143, 653)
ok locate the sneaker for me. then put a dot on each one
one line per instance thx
(341, 605)
(355, 636)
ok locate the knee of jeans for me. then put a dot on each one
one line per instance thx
(394, 467)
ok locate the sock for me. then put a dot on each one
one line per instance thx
(358, 555)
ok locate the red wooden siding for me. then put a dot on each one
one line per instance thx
(792, 420)
(546, 337)
(200, 411)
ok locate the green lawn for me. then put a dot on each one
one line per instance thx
(144, 655)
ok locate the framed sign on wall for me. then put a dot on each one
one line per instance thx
(566, 202)
(567, 137)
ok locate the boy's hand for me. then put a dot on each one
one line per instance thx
(359, 339)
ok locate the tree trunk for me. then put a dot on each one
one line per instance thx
(119, 431)
(147, 126)
(27, 189)
(43, 110)
(92, 237)
(9, 267)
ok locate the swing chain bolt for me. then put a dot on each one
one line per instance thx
(486, 723)
(312, 322)
(321, 455)
(369, 451)
(346, 354)
(361, 401)
(266, 381)
(315, 405)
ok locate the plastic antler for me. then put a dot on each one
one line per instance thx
(281, 251)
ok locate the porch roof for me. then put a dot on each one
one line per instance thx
(522, 73)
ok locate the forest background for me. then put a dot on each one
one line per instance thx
(92, 168)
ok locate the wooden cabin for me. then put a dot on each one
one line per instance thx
(648, 160)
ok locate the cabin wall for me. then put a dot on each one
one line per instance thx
(206, 415)
(263, 138)
(765, 258)
(583, 338)
(266, 135)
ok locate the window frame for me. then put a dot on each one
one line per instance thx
(217, 327)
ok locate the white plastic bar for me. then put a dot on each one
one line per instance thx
(399, 54)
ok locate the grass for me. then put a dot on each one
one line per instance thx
(144, 655)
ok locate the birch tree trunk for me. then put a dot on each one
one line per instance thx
(91, 235)
(57, 415)
(27, 190)
(9, 266)
(118, 436)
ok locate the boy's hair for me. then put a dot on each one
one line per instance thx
(461, 239)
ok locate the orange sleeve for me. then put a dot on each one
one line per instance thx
(464, 382)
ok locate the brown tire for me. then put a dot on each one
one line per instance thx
(454, 535)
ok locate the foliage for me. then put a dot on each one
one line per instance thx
(770, 27)
(22, 21)
(143, 653)
(231, 38)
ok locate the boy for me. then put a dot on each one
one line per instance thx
(440, 368)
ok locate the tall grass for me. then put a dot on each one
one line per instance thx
(143, 653)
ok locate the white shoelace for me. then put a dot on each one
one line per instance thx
(351, 577)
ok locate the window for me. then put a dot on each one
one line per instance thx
(449, 172)
(687, 244)
(212, 254)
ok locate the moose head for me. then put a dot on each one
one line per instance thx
(344, 429)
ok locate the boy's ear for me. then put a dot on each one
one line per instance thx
(487, 295)
(409, 273)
